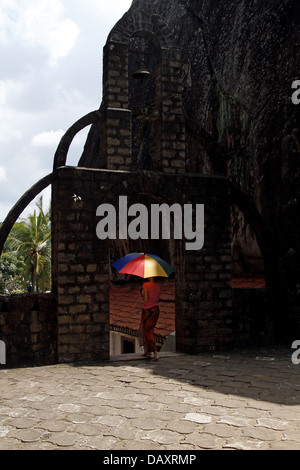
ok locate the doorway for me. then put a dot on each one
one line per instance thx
(125, 300)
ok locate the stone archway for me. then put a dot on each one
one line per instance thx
(81, 264)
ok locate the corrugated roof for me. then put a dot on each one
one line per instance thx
(126, 306)
(255, 281)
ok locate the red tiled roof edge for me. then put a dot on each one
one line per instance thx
(131, 332)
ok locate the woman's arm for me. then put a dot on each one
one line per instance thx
(145, 292)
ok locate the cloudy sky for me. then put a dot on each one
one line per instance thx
(50, 76)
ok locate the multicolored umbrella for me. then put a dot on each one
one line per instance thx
(143, 265)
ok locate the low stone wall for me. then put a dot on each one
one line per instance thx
(28, 329)
(28, 325)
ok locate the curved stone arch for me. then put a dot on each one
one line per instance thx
(61, 153)
(59, 160)
(151, 38)
(142, 21)
(19, 207)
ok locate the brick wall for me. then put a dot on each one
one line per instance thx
(28, 327)
(166, 109)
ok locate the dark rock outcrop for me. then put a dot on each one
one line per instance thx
(239, 60)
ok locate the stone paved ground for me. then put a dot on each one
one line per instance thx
(211, 401)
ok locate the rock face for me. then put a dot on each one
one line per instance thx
(239, 60)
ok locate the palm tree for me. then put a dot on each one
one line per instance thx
(32, 240)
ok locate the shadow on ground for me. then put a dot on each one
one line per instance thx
(265, 375)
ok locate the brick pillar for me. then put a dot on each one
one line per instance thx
(204, 294)
(80, 270)
(169, 125)
(171, 154)
(116, 153)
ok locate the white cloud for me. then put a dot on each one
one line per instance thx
(50, 76)
(40, 23)
(45, 139)
(3, 176)
(2, 93)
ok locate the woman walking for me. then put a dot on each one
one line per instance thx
(150, 314)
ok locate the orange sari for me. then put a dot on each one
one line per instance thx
(146, 331)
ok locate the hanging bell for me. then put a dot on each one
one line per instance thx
(142, 74)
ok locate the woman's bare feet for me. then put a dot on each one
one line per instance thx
(146, 354)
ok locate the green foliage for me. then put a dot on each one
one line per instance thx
(11, 274)
(30, 243)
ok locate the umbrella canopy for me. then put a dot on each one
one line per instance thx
(143, 265)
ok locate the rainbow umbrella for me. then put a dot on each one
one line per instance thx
(143, 265)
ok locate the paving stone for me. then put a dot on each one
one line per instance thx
(146, 423)
(181, 427)
(88, 429)
(215, 410)
(197, 401)
(292, 435)
(263, 434)
(202, 441)
(234, 421)
(132, 413)
(69, 407)
(4, 431)
(136, 397)
(108, 396)
(177, 407)
(53, 426)
(138, 444)
(288, 413)
(99, 443)
(161, 436)
(14, 413)
(123, 434)
(272, 423)
(285, 445)
(110, 420)
(8, 444)
(198, 418)
(240, 444)
(78, 418)
(62, 439)
(249, 413)
(219, 430)
(22, 423)
(26, 435)
(181, 402)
